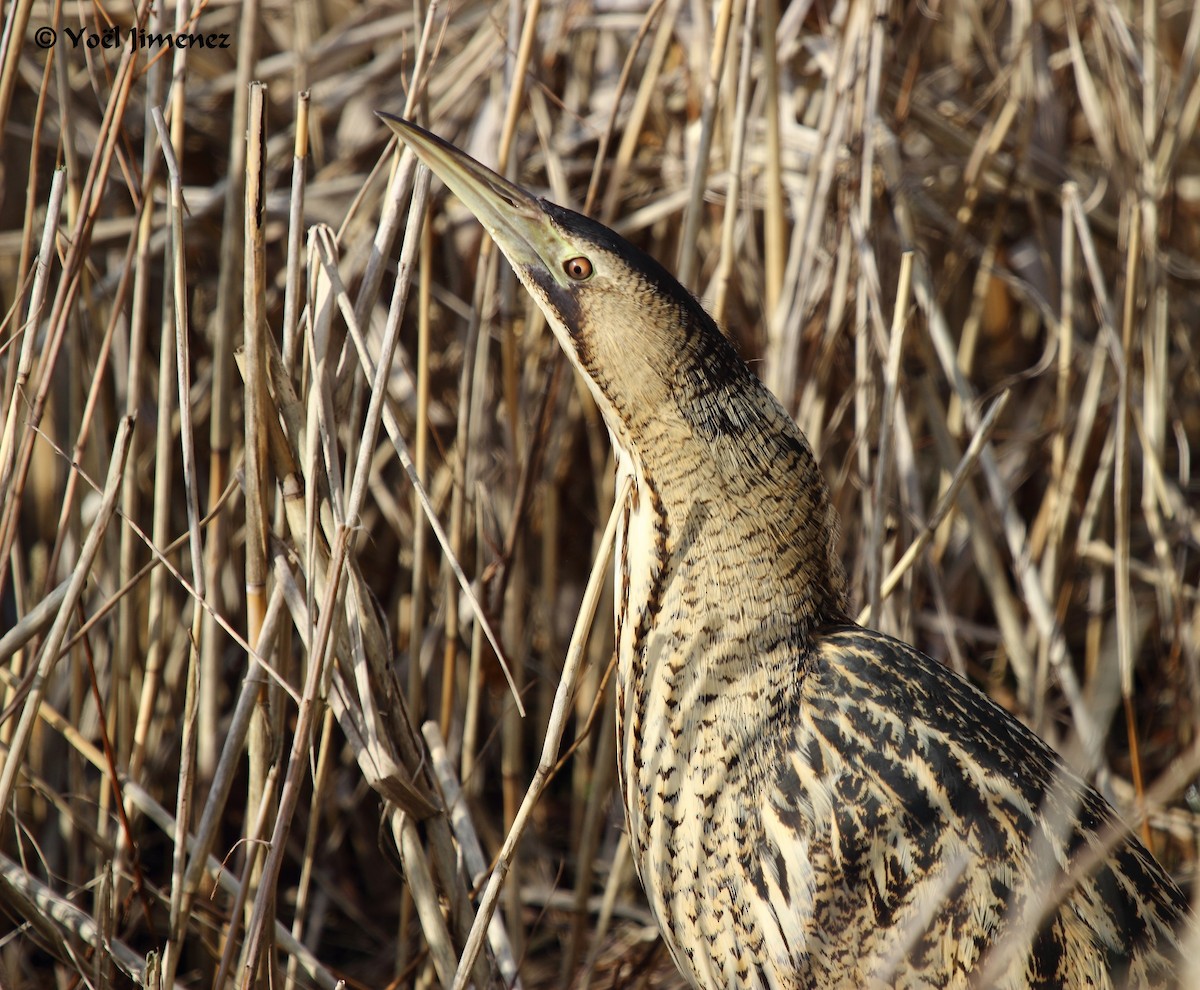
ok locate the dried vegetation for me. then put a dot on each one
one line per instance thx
(258, 482)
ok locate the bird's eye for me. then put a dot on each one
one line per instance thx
(578, 269)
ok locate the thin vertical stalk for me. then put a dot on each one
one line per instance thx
(774, 235)
(733, 193)
(257, 485)
(883, 466)
(183, 367)
(292, 297)
(224, 335)
(550, 742)
(15, 757)
(688, 255)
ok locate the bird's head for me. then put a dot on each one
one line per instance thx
(676, 398)
(634, 332)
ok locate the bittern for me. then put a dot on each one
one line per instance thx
(810, 803)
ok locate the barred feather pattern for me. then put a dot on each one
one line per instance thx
(810, 804)
(814, 804)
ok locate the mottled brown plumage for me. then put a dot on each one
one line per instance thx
(810, 803)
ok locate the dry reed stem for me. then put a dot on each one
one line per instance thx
(1015, 470)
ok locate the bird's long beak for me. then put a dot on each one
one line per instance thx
(515, 220)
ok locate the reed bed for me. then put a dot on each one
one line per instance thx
(299, 501)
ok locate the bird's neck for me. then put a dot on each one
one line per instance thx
(727, 562)
(726, 565)
(740, 504)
